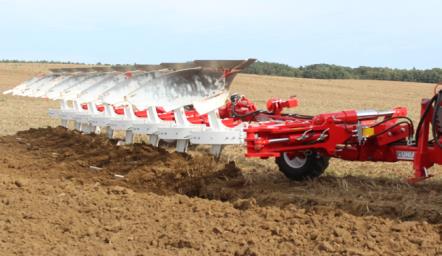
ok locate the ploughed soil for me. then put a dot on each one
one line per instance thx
(66, 193)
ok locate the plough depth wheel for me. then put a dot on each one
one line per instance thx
(302, 167)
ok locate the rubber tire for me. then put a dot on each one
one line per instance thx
(313, 167)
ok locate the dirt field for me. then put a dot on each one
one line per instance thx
(137, 200)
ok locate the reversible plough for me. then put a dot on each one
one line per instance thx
(188, 103)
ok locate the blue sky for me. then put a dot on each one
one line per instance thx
(401, 34)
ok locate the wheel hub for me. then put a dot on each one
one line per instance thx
(294, 161)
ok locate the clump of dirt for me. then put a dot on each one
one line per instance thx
(138, 166)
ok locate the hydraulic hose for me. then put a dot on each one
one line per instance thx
(409, 122)
(410, 128)
(436, 100)
(435, 121)
(234, 98)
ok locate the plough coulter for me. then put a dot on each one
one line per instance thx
(189, 103)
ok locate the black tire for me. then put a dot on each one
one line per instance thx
(313, 166)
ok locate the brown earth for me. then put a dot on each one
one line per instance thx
(64, 193)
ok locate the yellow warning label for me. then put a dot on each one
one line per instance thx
(367, 132)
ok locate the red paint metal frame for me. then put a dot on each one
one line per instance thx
(336, 135)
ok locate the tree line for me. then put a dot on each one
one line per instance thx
(327, 71)
(319, 71)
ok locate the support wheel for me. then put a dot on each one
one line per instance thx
(302, 167)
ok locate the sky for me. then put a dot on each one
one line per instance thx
(387, 33)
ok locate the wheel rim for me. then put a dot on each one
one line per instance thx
(295, 161)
